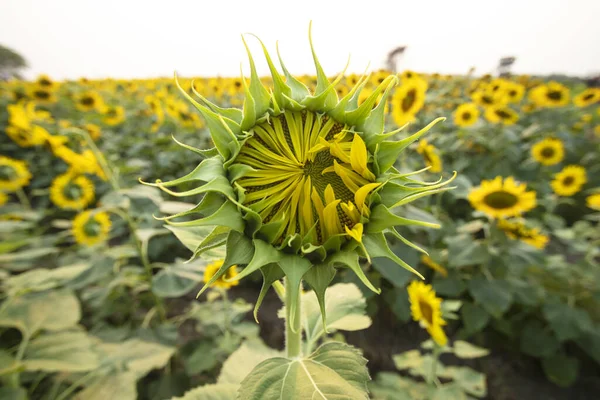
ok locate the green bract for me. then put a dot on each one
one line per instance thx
(299, 183)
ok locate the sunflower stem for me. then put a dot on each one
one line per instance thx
(293, 333)
(435, 355)
(23, 199)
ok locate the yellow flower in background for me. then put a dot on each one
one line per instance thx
(593, 201)
(41, 95)
(89, 101)
(485, 97)
(113, 115)
(425, 259)
(587, 98)
(466, 114)
(569, 181)
(501, 114)
(71, 192)
(35, 136)
(226, 281)
(426, 309)
(14, 174)
(46, 82)
(514, 92)
(3, 198)
(430, 154)
(93, 130)
(502, 198)
(378, 77)
(80, 163)
(408, 100)
(549, 151)
(552, 94)
(517, 230)
(90, 228)
(407, 75)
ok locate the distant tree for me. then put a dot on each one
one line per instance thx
(10, 63)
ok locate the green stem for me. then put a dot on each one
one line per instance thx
(226, 310)
(76, 384)
(14, 379)
(23, 199)
(435, 355)
(99, 156)
(280, 290)
(293, 329)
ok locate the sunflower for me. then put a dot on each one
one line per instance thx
(407, 75)
(302, 181)
(14, 174)
(3, 198)
(593, 201)
(426, 309)
(226, 280)
(484, 97)
(569, 181)
(69, 191)
(500, 198)
(517, 230)
(466, 114)
(552, 94)
(80, 163)
(587, 98)
(93, 130)
(408, 99)
(46, 82)
(113, 115)
(514, 92)
(425, 259)
(89, 101)
(430, 154)
(501, 114)
(90, 228)
(41, 95)
(549, 151)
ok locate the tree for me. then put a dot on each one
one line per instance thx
(10, 63)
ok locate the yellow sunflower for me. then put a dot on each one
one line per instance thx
(587, 98)
(80, 163)
(89, 101)
(91, 228)
(69, 191)
(569, 181)
(225, 281)
(425, 259)
(501, 114)
(517, 230)
(552, 94)
(407, 75)
(426, 309)
(41, 94)
(113, 115)
(549, 151)
(93, 130)
(593, 201)
(487, 98)
(502, 199)
(45, 81)
(14, 174)
(514, 92)
(408, 99)
(466, 114)
(430, 154)
(3, 198)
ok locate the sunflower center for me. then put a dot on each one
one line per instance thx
(588, 96)
(87, 101)
(409, 100)
(426, 311)
(467, 116)
(72, 191)
(547, 152)
(7, 173)
(503, 114)
(554, 95)
(41, 94)
(501, 200)
(44, 82)
(568, 181)
(92, 228)
(306, 170)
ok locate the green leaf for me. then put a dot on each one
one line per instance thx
(220, 391)
(397, 300)
(53, 311)
(390, 386)
(465, 254)
(242, 361)
(450, 391)
(190, 236)
(537, 341)
(345, 308)
(178, 279)
(408, 360)
(334, 370)
(560, 369)
(452, 285)
(8, 364)
(398, 277)
(464, 349)
(377, 246)
(9, 393)
(270, 273)
(318, 278)
(120, 386)
(566, 322)
(40, 279)
(474, 317)
(202, 358)
(469, 380)
(494, 296)
(61, 351)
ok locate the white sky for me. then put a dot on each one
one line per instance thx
(134, 38)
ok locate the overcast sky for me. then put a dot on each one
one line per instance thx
(132, 38)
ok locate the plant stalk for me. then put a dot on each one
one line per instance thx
(293, 329)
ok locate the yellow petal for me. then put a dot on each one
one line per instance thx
(359, 158)
(361, 196)
(356, 232)
(329, 194)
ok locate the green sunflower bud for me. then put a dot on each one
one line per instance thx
(300, 183)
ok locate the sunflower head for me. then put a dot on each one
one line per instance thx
(226, 280)
(517, 230)
(426, 308)
(14, 174)
(70, 191)
(90, 228)
(593, 201)
(299, 182)
(502, 198)
(569, 181)
(587, 98)
(548, 151)
(466, 114)
(501, 114)
(552, 94)
(88, 101)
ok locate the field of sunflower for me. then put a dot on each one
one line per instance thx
(121, 199)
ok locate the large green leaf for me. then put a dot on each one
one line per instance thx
(469, 380)
(54, 311)
(220, 391)
(493, 295)
(40, 279)
(61, 351)
(391, 386)
(567, 322)
(464, 349)
(334, 371)
(242, 361)
(345, 309)
(537, 340)
(474, 317)
(178, 279)
(560, 369)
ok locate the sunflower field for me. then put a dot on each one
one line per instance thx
(121, 200)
